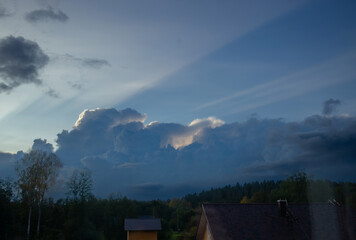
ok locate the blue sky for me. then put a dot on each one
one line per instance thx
(196, 68)
(309, 36)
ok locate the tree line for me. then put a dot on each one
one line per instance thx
(27, 212)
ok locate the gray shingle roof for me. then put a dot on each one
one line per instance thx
(142, 224)
(263, 221)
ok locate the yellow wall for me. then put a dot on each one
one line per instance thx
(141, 235)
(206, 233)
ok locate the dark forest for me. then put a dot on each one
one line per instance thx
(83, 216)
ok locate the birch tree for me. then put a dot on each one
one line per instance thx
(37, 172)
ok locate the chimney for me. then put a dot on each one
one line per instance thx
(282, 205)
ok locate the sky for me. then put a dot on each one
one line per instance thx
(156, 95)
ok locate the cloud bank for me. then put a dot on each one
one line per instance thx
(45, 15)
(20, 61)
(164, 160)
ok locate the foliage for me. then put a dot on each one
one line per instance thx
(295, 188)
(80, 185)
(6, 215)
(37, 172)
(79, 225)
(6, 190)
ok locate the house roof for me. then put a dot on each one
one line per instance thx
(263, 221)
(142, 224)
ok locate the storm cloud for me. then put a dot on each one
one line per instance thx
(45, 15)
(20, 61)
(164, 160)
(161, 159)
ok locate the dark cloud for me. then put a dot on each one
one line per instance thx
(4, 87)
(95, 63)
(75, 85)
(322, 146)
(44, 15)
(4, 12)
(52, 93)
(330, 105)
(20, 60)
(149, 161)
